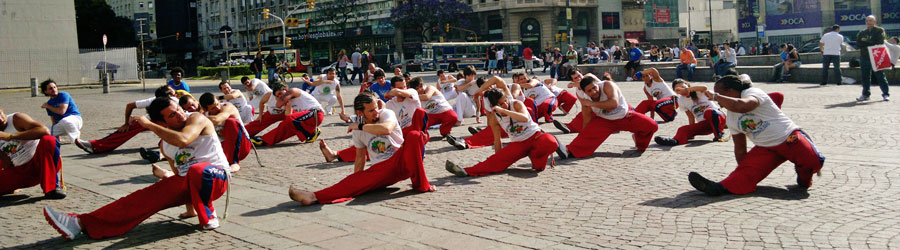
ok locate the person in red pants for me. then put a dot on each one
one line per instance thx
(302, 116)
(484, 137)
(754, 115)
(660, 97)
(604, 111)
(269, 112)
(436, 106)
(406, 105)
(395, 157)
(704, 116)
(127, 130)
(577, 123)
(29, 156)
(202, 177)
(539, 97)
(565, 98)
(229, 128)
(236, 98)
(526, 138)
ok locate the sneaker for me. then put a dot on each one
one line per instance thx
(723, 137)
(665, 141)
(457, 143)
(561, 127)
(149, 155)
(56, 194)
(561, 150)
(474, 130)
(314, 137)
(65, 224)
(629, 79)
(212, 224)
(706, 186)
(84, 145)
(822, 84)
(886, 97)
(456, 170)
(862, 98)
(258, 141)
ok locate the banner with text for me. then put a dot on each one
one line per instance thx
(748, 10)
(851, 17)
(785, 14)
(890, 11)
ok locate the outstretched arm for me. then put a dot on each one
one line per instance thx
(192, 129)
(28, 128)
(228, 110)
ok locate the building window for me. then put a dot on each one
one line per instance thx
(728, 4)
(150, 5)
(611, 20)
(141, 5)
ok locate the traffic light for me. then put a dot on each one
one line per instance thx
(448, 28)
(312, 4)
(265, 13)
(558, 35)
(177, 35)
(565, 36)
(287, 42)
(292, 22)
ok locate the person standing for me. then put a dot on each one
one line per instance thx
(548, 59)
(492, 59)
(256, 66)
(830, 45)
(557, 62)
(177, 83)
(872, 35)
(271, 64)
(62, 111)
(634, 61)
(357, 66)
(529, 61)
(342, 65)
(501, 60)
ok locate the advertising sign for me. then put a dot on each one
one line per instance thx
(890, 11)
(793, 14)
(748, 10)
(851, 17)
(661, 13)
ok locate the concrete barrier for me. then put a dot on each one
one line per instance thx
(809, 73)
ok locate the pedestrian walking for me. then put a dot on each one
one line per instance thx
(357, 66)
(343, 62)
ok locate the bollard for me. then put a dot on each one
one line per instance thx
(224, 74)
(34, 87)
(106, 84)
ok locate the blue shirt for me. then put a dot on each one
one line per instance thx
(306, 87)
(183, 86)
(63, 98)
(635, 54)
(381, 90)
(604, 56)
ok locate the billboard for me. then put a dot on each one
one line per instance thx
(661, 13)
(793, 14)
(890, 11)
(748, 11)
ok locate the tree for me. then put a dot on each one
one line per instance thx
(93, 18)
(340, 11)
(429, 14)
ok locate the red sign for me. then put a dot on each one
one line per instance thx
(880, 57)
(662, 16)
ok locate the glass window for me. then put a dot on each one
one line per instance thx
(728, 4)
(611, 20)
(150, 5)
(141, 5)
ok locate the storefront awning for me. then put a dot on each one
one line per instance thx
(632, 40)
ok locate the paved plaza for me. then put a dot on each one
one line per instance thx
(605, 201)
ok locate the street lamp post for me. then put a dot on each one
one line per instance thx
(283, 32)
(141, 24)
(710, 24)
(225, 42)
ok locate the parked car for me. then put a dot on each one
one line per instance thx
(812, 45)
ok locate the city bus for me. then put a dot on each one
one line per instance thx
(296, 62)
(463, 54)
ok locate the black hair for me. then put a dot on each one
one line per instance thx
(177, 70)
(480, 81)
(361, 100)
(586, 81)
(469, 71)
(206, 99)
(406, 75)
(162, 91)
(692, 93)
(223, 83)
(460, 75)
(573, 71)
(44, 85)
(276, 86)
(414, 83)
(329, 69)
(734, 82)
(835, 27)
(378, 73)
(731, 72)
(156, 107)
(440, 72)
(396, 79)
(244, 79)
(184, 99)
(517, 75)
(493, 96)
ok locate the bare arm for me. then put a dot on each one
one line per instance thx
(698, 88)
(128, 109)
(228, 110)
(262, 103)
(397, 93)
(340, 98)
(610, 90)
(740, 146)
(649, 97)
(234, 94)
(360, 162)
(495, 128)
(690, 116)
(429, 92)
(192, 129)
(519, 114)
(28, 128)
(654, 74)
(381, 128)
(320, 82)
(740, 105)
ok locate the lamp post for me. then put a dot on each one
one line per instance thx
(710, 24)
(141, 24)
(266, 15)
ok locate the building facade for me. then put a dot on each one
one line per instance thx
(695, 16)
(34, 46)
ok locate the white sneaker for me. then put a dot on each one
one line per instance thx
(629, 79)
(84, 145)
(67, 225)
(887, 98)
(862, 98)
(213, 224)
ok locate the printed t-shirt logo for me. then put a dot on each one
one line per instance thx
(516, 129)
(656, 93)
(382, 146)
(699, 109)
(10, 148)
(447, 87)
(532, 95)
(326, 90)
(182, 157)
(431, 105)
(750, 124)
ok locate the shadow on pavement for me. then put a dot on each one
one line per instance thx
(326, 165)
(18, 199)
(381, 194)
(453, 180)
(445, 149)
(849, 104)
(144, 233)
(145, 179)
(288, 206)
(694, 198)
(811, 87)
(134, 162)
(695, 143)
(523, 171)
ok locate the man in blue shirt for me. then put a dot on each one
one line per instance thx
(380, 86)
(634, 61)
(176, 83)
(62, 111)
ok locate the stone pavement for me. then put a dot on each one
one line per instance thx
(606, 201)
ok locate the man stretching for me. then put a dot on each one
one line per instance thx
(302, 117)
(29, 156)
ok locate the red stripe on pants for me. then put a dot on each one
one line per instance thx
(41, 170)
(405, 163)
(760, 161)
(122, 215)
(262, 123)
(484, 138)
(447, 119)
(640, 125)
(566, 100)
(705, 127)
(236, 144)
(301, 123)
(665, 108)
(537, 148)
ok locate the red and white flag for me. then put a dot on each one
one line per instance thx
(880, 57)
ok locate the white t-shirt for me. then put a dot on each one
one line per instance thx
(676, 51)
(592, 51)
(659, 90)
(206, 148)
(305, 102)
(404, 110)
(448, 90)
(436, 105)
(380, 147)
(326, 89)
(243, 108)
(518, 131)
(539, 93)
(221, 127)
(618, 113)
(731, 56)
(685, 103)
(19, 151)
(260, 89)
(832, 41)
(472, 88)
(500, 54)
(766, 125)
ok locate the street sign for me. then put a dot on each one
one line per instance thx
(693, 33)
(104, 39)
(227, 30)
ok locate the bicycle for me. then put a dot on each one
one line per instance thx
(284, 75)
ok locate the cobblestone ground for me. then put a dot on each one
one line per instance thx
(608, 200)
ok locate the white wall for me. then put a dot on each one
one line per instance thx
(38, 39)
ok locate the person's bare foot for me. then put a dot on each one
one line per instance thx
(432, 189)
(160, 172)
(478, 119)
(235, 167)
(329, 154)
(459, 123)
(188, 214)
(304, 197)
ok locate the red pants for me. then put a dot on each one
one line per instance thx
(714, 122)
(447, 119)
(576, 124)
(777, 97)
(349, 154)
(639, 124)
(236, 144)
(537, 148)
(203, 184)
(484, 138)
(405, 163)
(665, 108)
(419, 117)
(544, 109)
(566, 100)
(43, 169)
(262, 123)
(116, 139)
(301, 123)
(760, 161)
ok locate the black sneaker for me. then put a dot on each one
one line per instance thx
(258, 141)
(456, 170)
(457, 143)
(149, 155)
(56, 194)
(706, 186)
(561, 127)
(665, 141)
(474, 130)
(561, 150)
